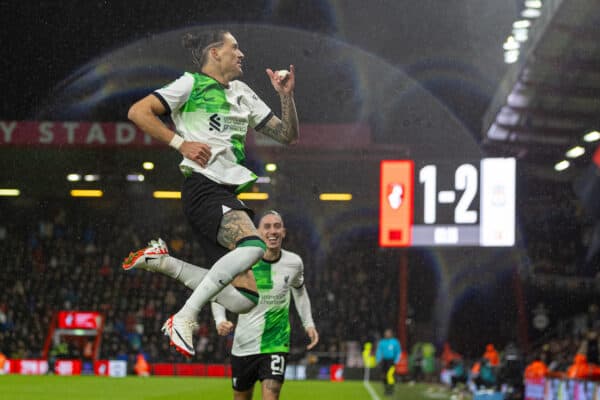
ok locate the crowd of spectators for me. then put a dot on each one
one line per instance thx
(560, 239)
(68, 257)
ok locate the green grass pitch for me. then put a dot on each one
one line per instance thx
(17, 387)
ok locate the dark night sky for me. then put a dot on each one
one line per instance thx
(45, 41)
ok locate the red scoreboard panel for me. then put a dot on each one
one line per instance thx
(396, 203)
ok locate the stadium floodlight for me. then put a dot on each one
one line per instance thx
(91, 177)
(270, 167)
(135, 178)
(86, 193)
(533, 4)
(574, 152)
(73, 177)
(253, 196)
(592, 136)
(148, 165)
(522, 24)
(335, 196)
(531, 13)
(166, 194)
(511, 44)
(511, 56)
(10, 192)
(562, 165)
(520, 34)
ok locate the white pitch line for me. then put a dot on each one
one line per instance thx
(371, 391)
(368, 386)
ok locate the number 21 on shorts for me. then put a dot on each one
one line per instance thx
(277, 364)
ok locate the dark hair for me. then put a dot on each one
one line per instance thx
(270, 212)
(197, 44)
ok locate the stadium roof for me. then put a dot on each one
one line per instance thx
(550, 97)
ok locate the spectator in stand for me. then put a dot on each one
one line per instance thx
(141, 367)
(428, 364)
(491, 354)
(2, 362)
(510, 371)
(484, 374)
(459, 373)
(580, 369)
(448, 355)
(536, 369)
(415, 362)
(589, 347)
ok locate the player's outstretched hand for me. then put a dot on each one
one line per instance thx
(314, 337)
(197, 152)
(283, 83)
(225, 328)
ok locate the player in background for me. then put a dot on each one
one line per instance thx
(212, 110)
(388, 354)
(261, 340)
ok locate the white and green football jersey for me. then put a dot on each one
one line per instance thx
(266, 328)
(205, 111)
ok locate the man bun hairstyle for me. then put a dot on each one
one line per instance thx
(199, 44)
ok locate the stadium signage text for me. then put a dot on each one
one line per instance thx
(115, 134)
(72, 133)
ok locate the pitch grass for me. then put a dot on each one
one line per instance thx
(17, 387)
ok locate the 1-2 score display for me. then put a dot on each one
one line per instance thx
(447, 203)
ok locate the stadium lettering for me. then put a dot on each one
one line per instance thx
(47, 136)
(125, 133)
(73, 133)
(95, 134)
(8, 130)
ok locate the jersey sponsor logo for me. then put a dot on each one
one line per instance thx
(215, 123)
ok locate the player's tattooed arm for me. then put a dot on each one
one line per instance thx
(284, 130)
(235, 225)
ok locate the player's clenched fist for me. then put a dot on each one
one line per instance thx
(225, 328)
(196, 151)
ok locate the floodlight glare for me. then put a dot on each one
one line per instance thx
(574, 152)
(10, 192)
(253, 196)
(335, 196)
(522, 24)
(591, 136)
(91, 178)
(562, 165)
(533, 4)
(86, 193)
(135, 178)
(166, 194)
(531, 13)
(148, 165)
(271, 167)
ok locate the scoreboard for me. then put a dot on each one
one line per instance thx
(447, 203)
